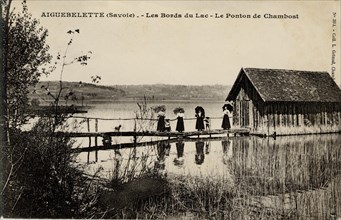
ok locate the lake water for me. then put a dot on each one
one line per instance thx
(293, 172)
(127, 110)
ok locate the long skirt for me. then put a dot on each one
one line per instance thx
(199, 125)
(226, 122)
(161, 124)
(180, 127)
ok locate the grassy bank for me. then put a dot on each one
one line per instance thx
(208, 198)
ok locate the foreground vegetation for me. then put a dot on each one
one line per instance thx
(39, 177)
(42, 179)
(159, 197)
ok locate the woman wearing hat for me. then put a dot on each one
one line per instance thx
(179, 111)
(180, 127)
(200, 115)
(227, 109)
(161, 121)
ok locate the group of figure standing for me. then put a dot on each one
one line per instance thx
(202, 121)
(164, 125)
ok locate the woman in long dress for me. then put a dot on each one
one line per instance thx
(161, 121)
(200, 114)
(226, 121)
(180, 127)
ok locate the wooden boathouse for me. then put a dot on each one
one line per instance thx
(285, 102)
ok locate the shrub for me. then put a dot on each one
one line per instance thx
(43, 183)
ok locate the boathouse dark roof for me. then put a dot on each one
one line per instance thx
(274, 85)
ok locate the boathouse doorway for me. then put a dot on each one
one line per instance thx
(244, 113)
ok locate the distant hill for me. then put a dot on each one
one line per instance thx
(91, 93)
(86, 91)
(175, 92)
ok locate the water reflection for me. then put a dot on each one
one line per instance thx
(117, 164)
(299, 162)
(304, 162)
(179, 160)
(299, 175)
(301, 172)
(207, 146)
(88, 161)
(167, 148)
(161, 155)
(199, 155)
(227, 150)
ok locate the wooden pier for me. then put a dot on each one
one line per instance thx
(142, 144)
(104, 140)
(168, 136)
(235, 132)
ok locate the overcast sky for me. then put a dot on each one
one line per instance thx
(192, 51)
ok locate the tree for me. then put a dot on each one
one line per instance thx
(39, 176)
(25, 59)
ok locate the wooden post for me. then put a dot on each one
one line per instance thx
(290, 117)
(88, 125)
(294, 119)
(209, 128)
(135, 137)
(299, 116)
(285, 118)
(325, 116)
(267, 118)
(275, 115)
(259, 126)
(135, 125)
(251, 116)
(96, 130)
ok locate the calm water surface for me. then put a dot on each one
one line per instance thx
(127, 109)
(293, 171)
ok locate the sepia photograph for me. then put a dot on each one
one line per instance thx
(187, 109)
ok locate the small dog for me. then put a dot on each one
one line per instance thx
(117, 128)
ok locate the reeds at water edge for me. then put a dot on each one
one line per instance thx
(286, 178)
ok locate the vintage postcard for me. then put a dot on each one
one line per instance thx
(171, 109)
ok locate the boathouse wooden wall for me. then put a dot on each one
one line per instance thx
(282, 117)
(301, 118)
